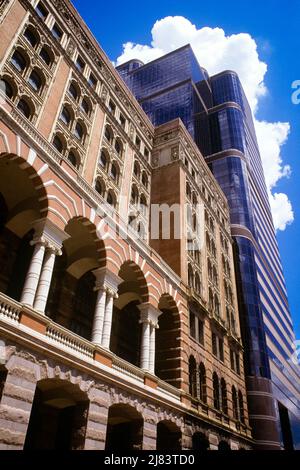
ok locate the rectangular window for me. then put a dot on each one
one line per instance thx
(214, 345)
(221, 349)
(80, 64)
(146, 152)
(122, 121)
(232, 359)
(112, 106)
(238, 369)
(200, 331)
(56, 32)
(41, 11)
(192, 325)
(92, 81)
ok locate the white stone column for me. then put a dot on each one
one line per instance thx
(145, 345)
(99, 316)
(108, 318)
(45, 279)
(149, 317)
(152, 348)
(33, 274)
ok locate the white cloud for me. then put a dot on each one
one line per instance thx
(217, 52)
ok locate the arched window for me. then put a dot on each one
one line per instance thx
(210, 300)
(73, 158)
(202, 382)
(241, 407)
(47, 56)
(7, 88)
(235, 408)
(103, 160)
(118, 146)
(31, 36)
(86, 107)
(193, 377)
(217, 306)
(134, 196)
(216, 391)
(111, 199)
(232, 322)
(145, 179)
(224, 396)
(215, 275)
(190, 276)
(25, 108)
(136, 169)
(142, 231)
(100, 187)
(35, 80)
(74, 91)
(114, 172)
(108, 134)
(65, 115)
(79, 132)
(58, 144)
(18, 61)
(188, 190)
(143, 204)
(197, 283)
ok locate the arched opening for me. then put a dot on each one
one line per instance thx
(31, 36)
(145, 179)
(80, 131)
(36, 80)
(119, 147)
(74, 91)
(136, 169)
(111, 198)
(223, 446)
(114, 172)
(47, 55)
(58, 417)
(168, 436)
(167, 342)
(72, 299)
(202, 383)
(224, 396)
(20, 60)
(8, 87)
(86, 106)
(200, 442)
(74, 158)
(66, 115)
(126, 327)
(59, 143)
(108, 133)
(100, 187)
(19, 209)
(26, 107)
(134, 200)
(193, 377)
(124, 429)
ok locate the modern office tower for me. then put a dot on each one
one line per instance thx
(217, 115)
(113, 334)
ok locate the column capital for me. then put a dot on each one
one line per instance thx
(149, 314)
(48, 234)
(107, 281)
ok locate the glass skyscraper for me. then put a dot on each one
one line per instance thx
(216, 112)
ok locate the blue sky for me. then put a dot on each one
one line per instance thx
(274, 25)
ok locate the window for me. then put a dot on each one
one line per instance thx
(118, 147)
(3, 375)
(18, 61)
(79, 132)
(202, 383)
(73, 159)
(92, 81)
(137, 141)
(192, 377)
(136, 169)
(24, 107)
(80, 64)
(143, 205)
(197, 283)
(122, 121)
(134, 196)
(100, 187)
(112, 106)
(41, 11)
(31, 36)
(103, 159)
(235, 361)
(111, 199)
(241, 407)
(200, 331)
(235, 408)
(114, 172)
(214, 344)
(218, 346)
(6, 88)
(56, 32)
(73, 91)
(45, 56)
(57, 142)
(85, 107)
(145, 180)
(65, 116)
(35, 81)
(216, 391)
(108, 134)
(224, 396)
(221, 349)
(192, 325)
(146, 152)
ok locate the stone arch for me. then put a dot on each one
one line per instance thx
(72, 297)
(169, 436)
(200, 441)
(168, 350)
(124, 428)
(23, 201)
(126, 327)
(58, 416)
